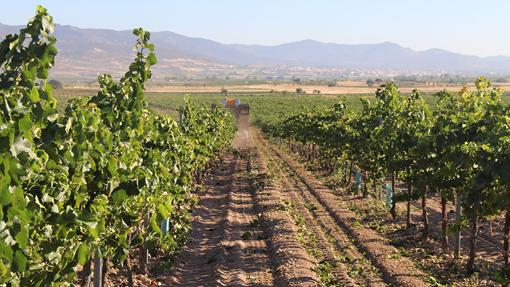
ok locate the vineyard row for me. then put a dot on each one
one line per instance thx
(102, 178)
(460, 151)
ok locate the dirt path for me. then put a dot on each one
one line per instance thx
(241, 233)
(320, 243)
(262, 222)
(435, 266)
(226, 246)
(377, 252)
(196, 266)
(293, 265)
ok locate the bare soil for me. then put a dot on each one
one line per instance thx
(276, 225)
(293, 265)
(263, 220)
(226, 247)
(427, 255)
(343, 87)
(395, 268)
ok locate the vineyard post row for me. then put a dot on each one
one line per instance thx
(99, 177)
(460, 151)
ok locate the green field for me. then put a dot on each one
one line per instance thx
(260, 103)
(269, 106)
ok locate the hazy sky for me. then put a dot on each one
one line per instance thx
(466, 26)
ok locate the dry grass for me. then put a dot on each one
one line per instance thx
(345, 87)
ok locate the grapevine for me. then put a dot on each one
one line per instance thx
(459, 151)
(97, 179)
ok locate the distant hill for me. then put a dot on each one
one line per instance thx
(85, 52)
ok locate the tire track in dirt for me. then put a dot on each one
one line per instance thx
(318, 244)
(333, 242)
(197, 264)
(245, 259)
(226, 247)
(293, 266)
(395, 268)
(330, 254)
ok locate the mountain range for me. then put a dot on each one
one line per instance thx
(83, 53)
